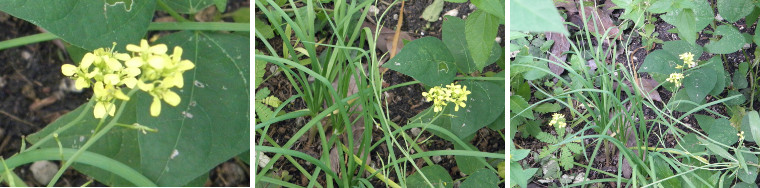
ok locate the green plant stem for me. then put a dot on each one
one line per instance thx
(86, 157)
(171, 11)
(372, 170)
(27, 40)
(203, 26)
(61, 129)
(92, 141)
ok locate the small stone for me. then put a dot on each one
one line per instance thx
(437, 159)
(26, 55)
(472, 7)
(395, 16)
(718, 17)
(746, 46)
(373, 10)
(416, 131)
(43, 171)
(498, 40)
(452, 12)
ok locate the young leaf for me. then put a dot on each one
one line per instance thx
(452, 34)
(754, 123)
(432, 11)
(480, 31)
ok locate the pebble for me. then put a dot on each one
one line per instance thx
(498, 40)
(395, 16)
(26, 55)
(437, 159)
(718, 17)
(472, 7)
(43, 171)
(746, 46)
(416, 131)
(452, 12)
(373, 10)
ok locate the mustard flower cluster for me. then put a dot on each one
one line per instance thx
(688, 61)
(442, 96)
(148, 67)
(558, 120)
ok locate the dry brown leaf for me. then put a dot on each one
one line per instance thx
(385, 37)
(561, 45)
(603, 21)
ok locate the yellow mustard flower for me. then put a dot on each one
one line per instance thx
(675, 78)
(442, 96)
(558, 120)
(688, 60)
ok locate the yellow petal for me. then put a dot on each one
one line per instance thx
(111, 109)
(122, 56)
(99, 90)
(113, 64)
(134, 62)
(87, 60)
(171, 98)
(81, 83)
(100, 110)
(130, 82)
(68, 69)
(111, 79)
(132, 71)
(155, 107)
(175, 80)
(145, 87)
(156, 62)
(185, 65)
(177, 55)
(133, 48)
(158, 49)
(120, 95)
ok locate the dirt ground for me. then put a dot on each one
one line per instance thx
(34, 93)
(404, 102)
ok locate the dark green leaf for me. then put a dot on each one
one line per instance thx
(481, 178)
(480, 31)
(699, 82)
(484, 105)
(524, 14)
(733, 10)
(719, 130)
(731, 41)
(437, 175)
(425, 59)
(452, 35)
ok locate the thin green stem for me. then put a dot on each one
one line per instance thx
(203, 26)
(41, 37)
(92, 141)
(171, 11)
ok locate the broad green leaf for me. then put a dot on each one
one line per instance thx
(524, 14)
(452, 34)
(547, 108)
(518, 176)
(662, 6)
(519, 154)
(493, 7)
(189, 6)
(691, 144)
(425, 59)
(436, 174)
(481, 178)
(432, 11)
(119, 144)
(499, 123)
(517, 104)
(467, 164)
(678, 47)
(738, 100)
(686, 23)
(221, 5)
(717, 69)
(663, 170)
(263, 28)
(753, 119)
(682, 102)
(480, 31)
(210, 125)
(731, 41)
(744, 185)
(733, 10)
(719, 130)
(89, 25)
(538, 72)
(751, 160)
(714, 148)
(740, 76)
(484, 105)
(660, 61)
(699, 82)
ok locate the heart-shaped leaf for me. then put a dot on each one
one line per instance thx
(731, 41)
(436, 174)
(733, 10)
(427, 60)
(719, 130)
(699, 82)
(484, 105)
(481, 178)
(89, 25)
(524, 14)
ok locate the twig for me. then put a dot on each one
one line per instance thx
(398, 29)
(16, 118)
